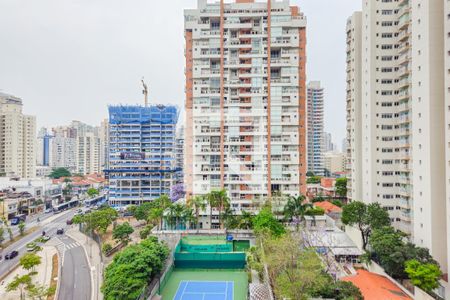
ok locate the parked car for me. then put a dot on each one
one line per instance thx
(11, 254)
(69, 222)
(48, 210)
(60, 231)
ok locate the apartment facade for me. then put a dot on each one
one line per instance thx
(314, 114)
(354, 103)
(402, 117)
(43, 148)
(142, 164)
(245, 100)
(446, 11)
(179, 153)
(333, 163)
(18, 139)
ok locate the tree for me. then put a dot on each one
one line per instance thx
(10, 233)
(40, 292)
(365, 217)
(59, 172)
(132, 268)
(339, 290)
(295, 208)
(423, 275)
(142, 211)
(22, 227)
(265, 221)
(2, 235)
(122, 232)
(198, 203)
(313, 179)
(20, 283)
(219, 200)
(92, 192)
(391, 252)
(245, 221)
(98, 220)
(177, 192)
(341, 187)
(29, 261)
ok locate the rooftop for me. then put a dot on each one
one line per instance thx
(328, 207)
(374, 286)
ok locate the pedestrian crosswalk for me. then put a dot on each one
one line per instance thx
(61, 246)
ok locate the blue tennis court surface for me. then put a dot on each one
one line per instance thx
(205, 290)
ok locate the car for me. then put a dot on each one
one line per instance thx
(48, 210)
(11, 254)
(79, 211)
(60, 231)
(45, 238)
(69, 222)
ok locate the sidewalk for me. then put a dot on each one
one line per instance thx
(43, 276)
(94, 259)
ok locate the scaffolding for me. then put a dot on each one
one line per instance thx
(142, 163)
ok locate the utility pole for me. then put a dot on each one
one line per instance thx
(145, 92)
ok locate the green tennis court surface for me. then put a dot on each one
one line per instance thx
(205, 290)
(205, 284)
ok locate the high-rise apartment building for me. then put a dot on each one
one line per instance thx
(354, 102)
(179, 153)
(334, 162)
(17, 139)
(314, 114)
(245, 99)
(328, 144)
(43, 148)
(402, 117)
(104, 143)
(446, 11)
(141, 153)
(77, 147)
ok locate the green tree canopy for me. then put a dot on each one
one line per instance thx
(21, 227)
(60, 172)
(20, 283)
(98, 220)
(29, 261)
(341, 187)
(133, 268)
(92, 192)
(122, 232)
(365, 217)
(265, 221)
(296, 208)
(423, 275)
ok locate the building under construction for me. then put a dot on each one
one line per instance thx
(142, 163)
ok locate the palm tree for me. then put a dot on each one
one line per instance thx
(188, 217)
(197, 203)
(218, 199)
(245, 222)
(295, 208)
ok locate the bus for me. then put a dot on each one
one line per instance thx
(18, 218)
(63, 206)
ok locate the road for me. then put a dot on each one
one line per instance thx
(75, 283)
(20, 245)
(30, 222)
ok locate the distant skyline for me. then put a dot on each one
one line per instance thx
(68, 60)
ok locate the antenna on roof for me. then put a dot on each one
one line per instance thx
(145, 92)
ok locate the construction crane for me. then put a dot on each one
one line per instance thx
(145, 92)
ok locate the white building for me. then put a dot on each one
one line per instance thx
(354, 102)
(314, 114)
(334, 162)
(402, 117)
(245, 99)
(328, 142)
(18, 139)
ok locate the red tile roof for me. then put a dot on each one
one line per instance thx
(376, 287)
(328, 207)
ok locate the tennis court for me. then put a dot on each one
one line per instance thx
(207, 282)
(205, 290)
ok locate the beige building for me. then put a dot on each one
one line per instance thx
(17, 139)
(404, 131)
(334, 162)
(245, 99)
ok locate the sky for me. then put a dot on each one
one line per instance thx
(69, 59)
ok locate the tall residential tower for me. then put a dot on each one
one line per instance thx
(315, 127)
(399, 107)
(245, 99)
